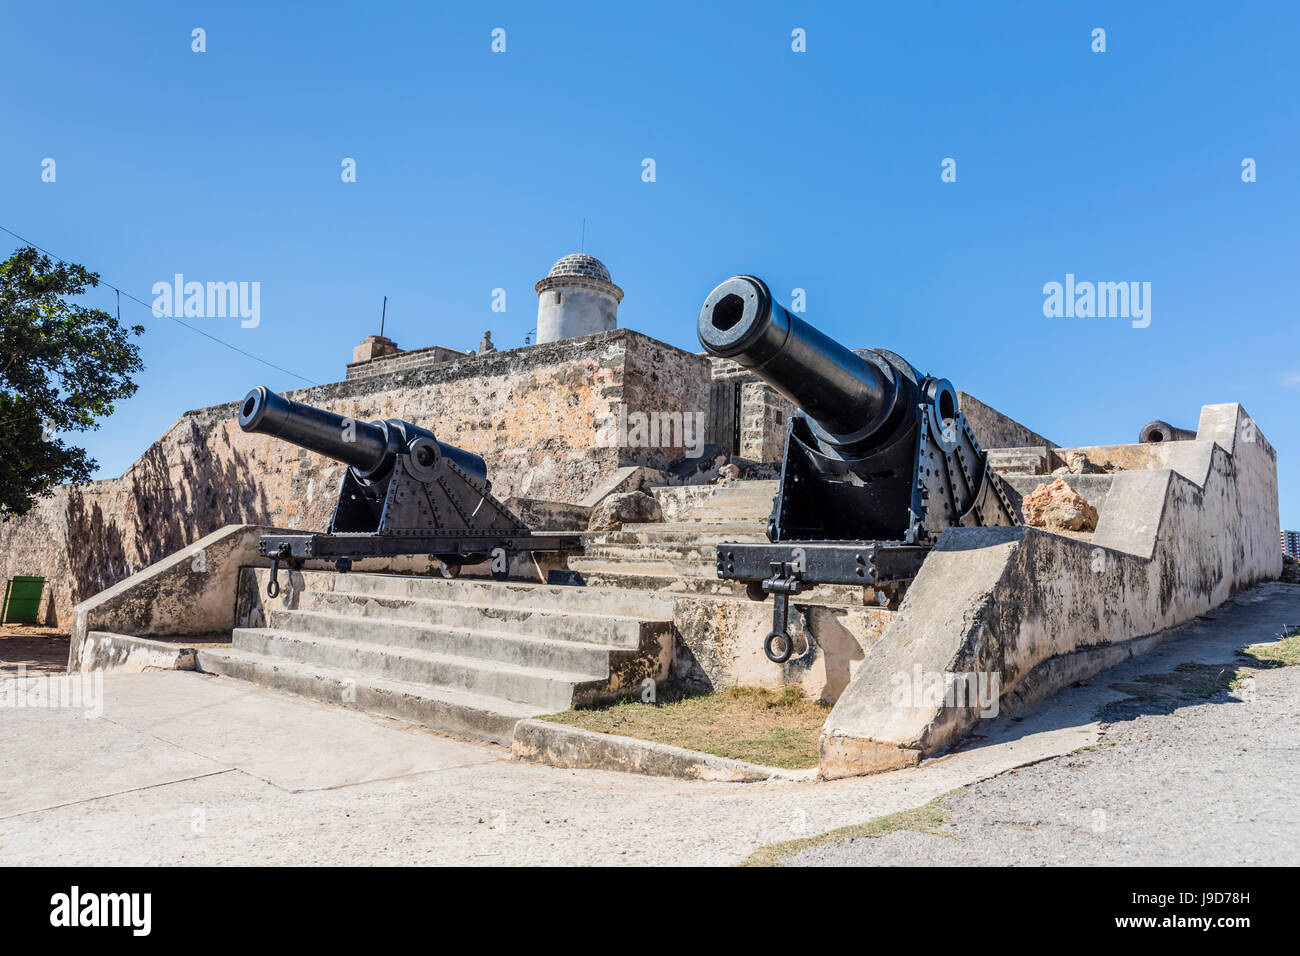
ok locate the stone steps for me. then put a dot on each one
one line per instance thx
(542, 687)
(679, 556)
(468, 656)
(638, 533)
(492, 594)
(652, 576)
(742, 500)
(585, 656)
(1030, 460)
(474, 656)
(473, 715)
(597, 627)
(703, 553)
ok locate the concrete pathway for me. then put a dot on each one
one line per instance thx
(186, 768)
(1177, 778)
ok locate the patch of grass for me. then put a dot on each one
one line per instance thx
(926, 819)
(1203, 680)
(1187, 680)
(773, 728)
(1284, 652)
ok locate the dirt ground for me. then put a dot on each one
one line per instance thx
(42, 650)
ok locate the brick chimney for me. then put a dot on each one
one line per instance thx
(373, 347)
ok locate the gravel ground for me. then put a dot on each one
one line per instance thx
(186, 769)
(1171, 782)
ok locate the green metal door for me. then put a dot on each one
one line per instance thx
(22, 602)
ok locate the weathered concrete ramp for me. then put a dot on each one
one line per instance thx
(1001, 617)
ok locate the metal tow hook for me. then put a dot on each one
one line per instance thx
(780, 624)
(273, 585)
(784, 581)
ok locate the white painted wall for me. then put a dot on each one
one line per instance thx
(566, 313)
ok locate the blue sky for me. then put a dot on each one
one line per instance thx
(818, 170)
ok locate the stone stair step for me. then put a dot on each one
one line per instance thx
(666, 579)
(474, 715)
(754, 526)
(629, 549)
(560, 654)
(539, 687)
(489, 593)
(596, 627)
(678, 539)
(677, 569)
(692, 563)
(1030, 460)
(742, 499)
(607, 574)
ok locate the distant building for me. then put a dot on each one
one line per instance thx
(1291, 543)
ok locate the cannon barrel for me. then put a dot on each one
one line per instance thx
(1158, 431)
(847, 396)
(368, 447)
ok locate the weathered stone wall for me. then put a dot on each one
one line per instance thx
(1032, 611)
(657, 379)
(187, 593)
(763, 418)
(994, 430)
(719, 644)
(551, 420)
(541, 417)
(403, 362)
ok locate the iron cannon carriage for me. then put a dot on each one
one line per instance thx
(878, 461)
(403, 492)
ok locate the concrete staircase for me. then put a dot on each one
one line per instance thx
(474, 656)
(1030, 460)
(679, 554)
(467, 656)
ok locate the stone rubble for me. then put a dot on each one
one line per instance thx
(1058, 507)
(636, 506)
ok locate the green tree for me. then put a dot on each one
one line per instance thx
(62, 366)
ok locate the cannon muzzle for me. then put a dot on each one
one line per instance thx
(848, 397)
(1158, 431)
(368, 447)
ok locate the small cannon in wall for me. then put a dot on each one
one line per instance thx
(403, 492)
(1158, 431)
(878, 461)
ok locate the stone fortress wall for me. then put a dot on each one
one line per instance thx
(545, 418)
(556, 422)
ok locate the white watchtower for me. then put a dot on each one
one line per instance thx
(576, 298)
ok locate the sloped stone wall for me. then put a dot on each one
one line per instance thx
(1022, 612)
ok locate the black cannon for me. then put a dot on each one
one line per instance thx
(403, 492)
(1157, 431)
(877, 463)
